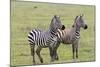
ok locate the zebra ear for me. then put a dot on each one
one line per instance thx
(72, 25)
(55, 16)
(76, 18)
(53, 19)
(82, 15)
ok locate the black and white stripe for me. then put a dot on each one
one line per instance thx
(77, 35)
(37, 37)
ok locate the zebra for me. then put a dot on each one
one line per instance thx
(72, 35)
(43, 39)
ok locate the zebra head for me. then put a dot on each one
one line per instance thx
(79, 22)
(56, 24)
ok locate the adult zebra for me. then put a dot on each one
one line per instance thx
(43, 39)
(72, 35)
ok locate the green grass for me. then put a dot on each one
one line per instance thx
(28, 15)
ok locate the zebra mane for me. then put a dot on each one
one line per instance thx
(53, 23)
(76, 18)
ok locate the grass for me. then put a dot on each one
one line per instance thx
(28, 15)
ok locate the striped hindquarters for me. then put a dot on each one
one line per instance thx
(37, 37)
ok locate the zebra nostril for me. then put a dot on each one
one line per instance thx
(85, 27)
(63, 27)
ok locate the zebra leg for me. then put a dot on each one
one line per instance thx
(77, 49)
(56, 55)
(51, 53)
(38, 53)
(76, 52)
(73, 49)
(33, 51)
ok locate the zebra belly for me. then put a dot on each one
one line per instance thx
(66, 40)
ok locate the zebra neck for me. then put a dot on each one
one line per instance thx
(77, 31)
(53, 33)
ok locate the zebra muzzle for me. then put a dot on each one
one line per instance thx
(85, 27)
(63, 27)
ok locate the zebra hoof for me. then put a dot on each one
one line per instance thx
(57, 58)
(41, 61)
(77, 57)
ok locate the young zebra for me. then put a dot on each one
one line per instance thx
(72, 35)
(43, 39)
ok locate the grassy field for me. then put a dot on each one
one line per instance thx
(28, 15)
